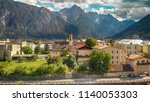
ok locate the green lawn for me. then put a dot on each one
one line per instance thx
(27, 64)
(24, 68)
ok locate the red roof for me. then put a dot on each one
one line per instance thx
(79, 45)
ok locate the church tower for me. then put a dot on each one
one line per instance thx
(70, 39)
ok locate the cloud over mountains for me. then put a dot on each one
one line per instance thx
(121, 9)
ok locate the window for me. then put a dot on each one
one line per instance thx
(112, 57)
(130, 52)
(128, 47)
(117, 51)
(117, 57)
(112, 51)
(143, 61)
(112, 62)
(147, 61)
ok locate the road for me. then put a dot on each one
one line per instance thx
(83, 81)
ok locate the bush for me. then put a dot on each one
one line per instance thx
(99, 62)
(26, 50)
(34, 57)
(21, 59)
(81, 68)
(43, 69)
(70, 61)
(61, 69)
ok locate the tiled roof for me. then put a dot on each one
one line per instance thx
(85, 48)
(100, 47)
(79, 45)
(135, 57)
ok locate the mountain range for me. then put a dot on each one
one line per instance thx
(140, 28)
(19, 20)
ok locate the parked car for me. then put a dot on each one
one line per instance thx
(141, 75)
(122, 76)
(132, 75)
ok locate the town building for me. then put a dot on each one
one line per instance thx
(132, 46)
(9, 49)
(83, 54)
(146, 47)
(60, 46)
(119, 56)
(139, 63)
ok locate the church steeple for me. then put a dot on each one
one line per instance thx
(70, 38)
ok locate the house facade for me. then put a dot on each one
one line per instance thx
(139, 63)
(132, 46)
(119, 56)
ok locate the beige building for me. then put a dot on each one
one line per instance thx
(10, 49)
(119, 56)
(83, 54)
(4, 41)
(60, 46)
(139, 63)
(13, 48)
(132, 46)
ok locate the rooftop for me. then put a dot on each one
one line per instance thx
(135, 57)
(131, 41)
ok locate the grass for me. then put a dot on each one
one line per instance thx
(25, 68)
(26, 64)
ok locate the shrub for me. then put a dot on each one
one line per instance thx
(21, 59)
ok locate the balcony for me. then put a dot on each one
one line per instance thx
(143, 63)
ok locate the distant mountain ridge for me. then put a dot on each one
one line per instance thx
(141, 28)
(19, 20)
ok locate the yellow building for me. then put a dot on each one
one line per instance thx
(139, 63)
(146, 48)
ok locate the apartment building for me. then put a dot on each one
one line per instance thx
(119, 56)
(132, 46)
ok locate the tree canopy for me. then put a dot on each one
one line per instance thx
(70, 61)
(46, 48)
(90, 42)
(99, 62)
(26, 50)
(37, 50)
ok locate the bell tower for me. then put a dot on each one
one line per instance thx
(70, 39)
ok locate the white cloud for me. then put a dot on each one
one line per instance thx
(31, 2)
(123, 9)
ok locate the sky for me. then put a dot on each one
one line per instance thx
(120, 9)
